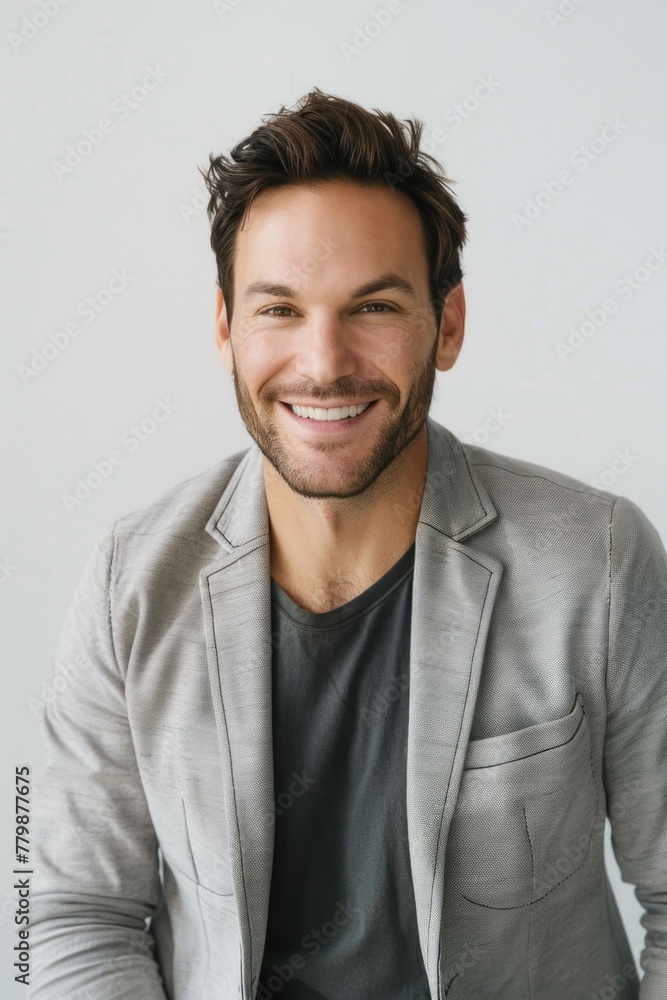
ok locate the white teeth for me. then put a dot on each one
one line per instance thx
(333, 413)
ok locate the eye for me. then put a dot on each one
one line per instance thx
(270, 311)
(382, 305)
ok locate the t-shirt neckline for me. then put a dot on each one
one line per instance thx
(359, 605)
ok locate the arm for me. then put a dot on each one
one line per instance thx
(635, 748)
(95, 851)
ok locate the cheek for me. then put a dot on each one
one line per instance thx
(396, 350)
(258, 358)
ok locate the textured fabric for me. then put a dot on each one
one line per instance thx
(530, 589)
(341, 893)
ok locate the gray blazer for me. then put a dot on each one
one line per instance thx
(537, 706)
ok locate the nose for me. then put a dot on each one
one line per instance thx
(325, 352)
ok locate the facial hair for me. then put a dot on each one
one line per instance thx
(398, 430)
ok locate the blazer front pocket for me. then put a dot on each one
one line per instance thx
(525, 811)
(208, 846)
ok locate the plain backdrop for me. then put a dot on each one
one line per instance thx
(565, 334)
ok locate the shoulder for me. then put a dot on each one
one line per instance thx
(517, 481)
(523, 490)
(176, 520)
(519, 473)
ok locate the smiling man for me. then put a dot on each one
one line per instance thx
(344, 715)
(334, 376)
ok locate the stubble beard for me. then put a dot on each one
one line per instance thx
(395, 435)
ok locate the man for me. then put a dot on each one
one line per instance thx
(348, 710)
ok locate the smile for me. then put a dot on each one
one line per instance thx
(329, 413)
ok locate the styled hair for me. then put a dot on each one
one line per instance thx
(325, 137)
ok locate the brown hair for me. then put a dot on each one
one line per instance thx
(326, 137)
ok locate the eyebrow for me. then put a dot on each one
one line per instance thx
(384, 282)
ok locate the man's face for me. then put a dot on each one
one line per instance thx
(307, 333)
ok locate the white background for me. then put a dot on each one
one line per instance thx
(556, 79)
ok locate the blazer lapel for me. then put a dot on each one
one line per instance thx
(454, 590)
(236, 600)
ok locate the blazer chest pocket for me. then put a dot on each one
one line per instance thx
(524, 815)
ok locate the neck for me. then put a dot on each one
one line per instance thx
(319, 543)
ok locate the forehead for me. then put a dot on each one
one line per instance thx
(343, 212)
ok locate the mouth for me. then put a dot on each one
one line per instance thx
(327, 413)
(329, 419)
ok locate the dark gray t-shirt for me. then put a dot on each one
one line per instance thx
(342, 922)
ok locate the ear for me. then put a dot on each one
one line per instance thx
(223, 339)
(452, 329)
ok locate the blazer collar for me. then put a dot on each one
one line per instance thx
(454, 502)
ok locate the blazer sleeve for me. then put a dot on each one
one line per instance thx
(96, 867)
(635, 747)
